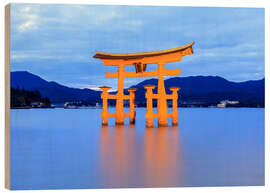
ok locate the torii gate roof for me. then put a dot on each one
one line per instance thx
(138, 55)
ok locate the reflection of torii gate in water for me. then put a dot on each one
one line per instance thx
(140, 60)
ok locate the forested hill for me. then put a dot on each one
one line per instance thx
(207, 90)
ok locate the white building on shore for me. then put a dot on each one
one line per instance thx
(224, 103)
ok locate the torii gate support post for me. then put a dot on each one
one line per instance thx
(174, 105)
(104, 97)
(105, 114)
(149, 107)
(132, 105)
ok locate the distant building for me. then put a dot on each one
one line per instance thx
(193, 104)
(224, 103)
(41, 105)
(69, 105)
(37, 105)
(221, 105)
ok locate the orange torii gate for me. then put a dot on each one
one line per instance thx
(140, 61)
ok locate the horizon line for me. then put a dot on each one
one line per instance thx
(112, 90)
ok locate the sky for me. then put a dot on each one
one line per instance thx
(58, 42)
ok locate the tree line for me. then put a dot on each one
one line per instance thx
(26, 98)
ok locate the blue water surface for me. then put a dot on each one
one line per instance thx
(68, 148)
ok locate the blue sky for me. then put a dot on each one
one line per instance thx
(57, 42)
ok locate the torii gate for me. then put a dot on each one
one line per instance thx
(140, 61)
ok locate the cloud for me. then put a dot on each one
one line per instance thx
(24, 18)
(55, 16)
(25, 9)
(51, 39)
(27, 25)
(38, 55)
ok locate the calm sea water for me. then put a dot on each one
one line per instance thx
(68, 148)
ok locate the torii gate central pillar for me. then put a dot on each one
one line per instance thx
(162, 100)
(120, 97)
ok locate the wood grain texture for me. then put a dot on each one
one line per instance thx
(7, 96)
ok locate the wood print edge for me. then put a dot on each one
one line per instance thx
(7, 96)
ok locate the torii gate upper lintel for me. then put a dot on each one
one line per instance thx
(140, 61)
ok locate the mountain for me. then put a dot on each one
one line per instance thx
(209, 90)
(200, 90)
(56, 92)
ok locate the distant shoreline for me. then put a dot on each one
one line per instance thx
(136, 107)
(31, 108)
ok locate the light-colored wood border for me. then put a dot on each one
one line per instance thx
(7, 96)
